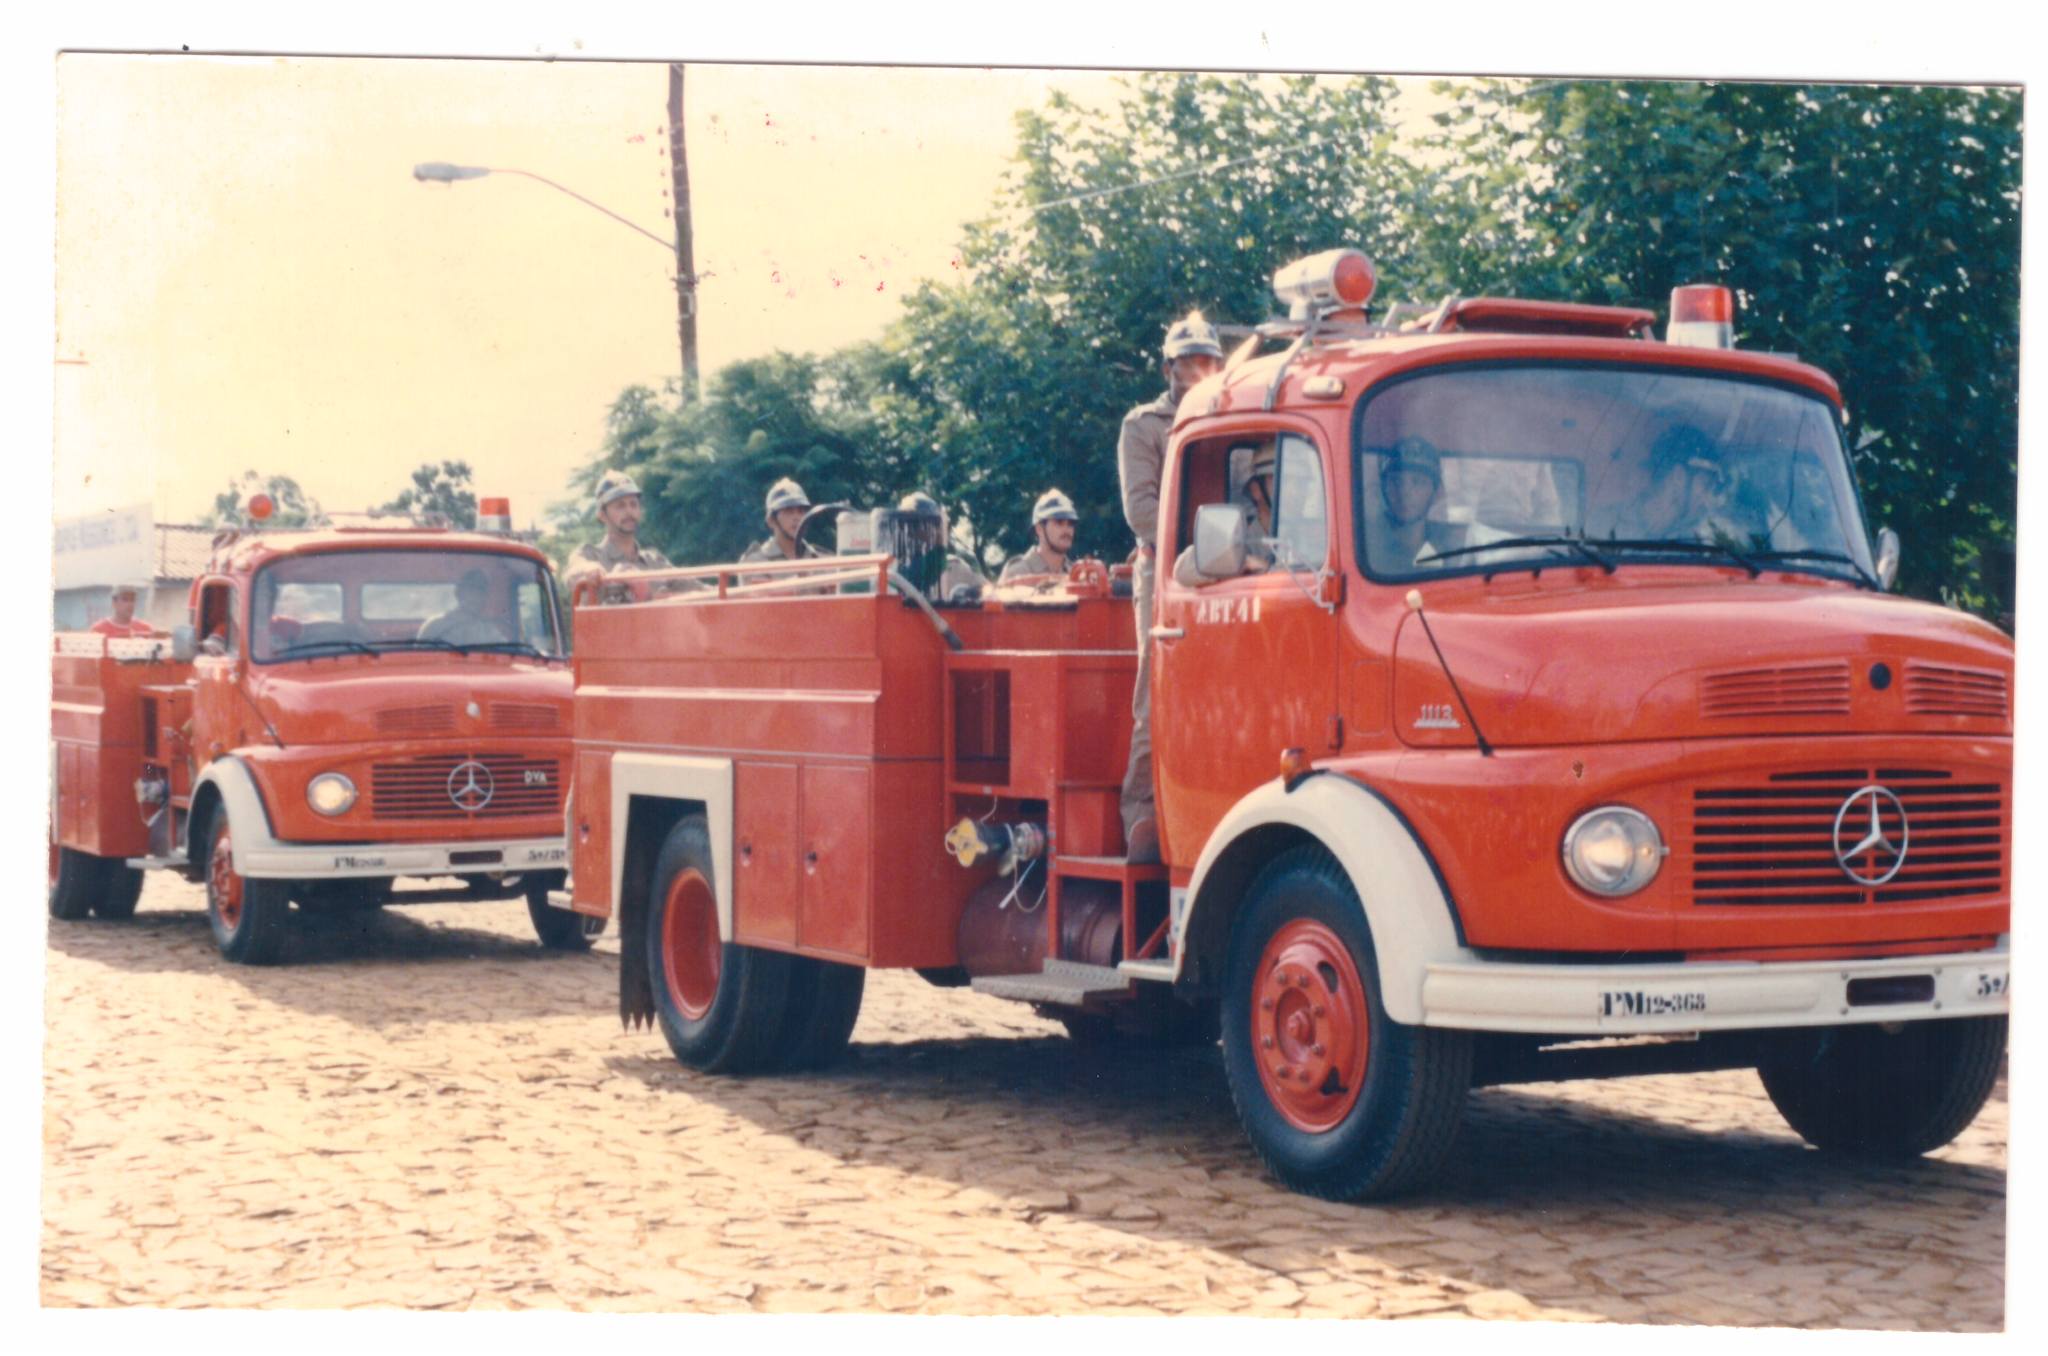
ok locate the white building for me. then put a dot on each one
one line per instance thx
(93, 553)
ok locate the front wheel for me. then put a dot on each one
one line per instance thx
(1340, 1100)
(559, 929)
(1894, 1093)
(720, 1005)
(249, 918)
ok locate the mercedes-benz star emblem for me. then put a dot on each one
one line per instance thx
(470, 786)
(1871, 827)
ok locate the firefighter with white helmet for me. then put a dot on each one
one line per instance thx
(1192, 352)
(616, 504)
(1053, 524)
(784, 510)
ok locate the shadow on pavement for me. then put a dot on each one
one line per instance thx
(423, 956)
(1035, 1115)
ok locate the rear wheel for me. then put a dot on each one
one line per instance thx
(248, 917)
(720, 1005)
(1340, 1100)
(120, 888)
(1885, 1093)
(75, 881)
(559, 929)
(824, 1003)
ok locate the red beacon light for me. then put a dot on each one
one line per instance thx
(1334, 280)
(494, 515)
(260, 507)
(1702, 316)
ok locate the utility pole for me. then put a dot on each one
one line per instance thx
(686, 272)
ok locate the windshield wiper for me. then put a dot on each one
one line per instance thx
(1832, 557)
(525, 646)
(355, 646)
(1691, 548)
(1578, 544)
(435, 641)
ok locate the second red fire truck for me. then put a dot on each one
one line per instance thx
(352, 718)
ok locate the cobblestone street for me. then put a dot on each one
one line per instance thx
(424, 1109)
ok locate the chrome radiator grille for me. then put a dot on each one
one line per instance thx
(1793, 838)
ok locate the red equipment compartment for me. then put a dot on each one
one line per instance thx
(96, 719)
(853, 753)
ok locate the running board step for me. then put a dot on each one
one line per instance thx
(1060, 982)
(150, 863)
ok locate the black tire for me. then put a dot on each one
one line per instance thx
(559, 929)
(731, 1023)
(76, 880)
(824, 1004)
(1395, 1130)
(120, 888)
(1885, 1094)
(249, 918)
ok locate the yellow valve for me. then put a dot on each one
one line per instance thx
(964, 842)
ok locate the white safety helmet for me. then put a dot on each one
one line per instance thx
(1053, 504)
(785, 493)
(1192, 334)
(614, 485)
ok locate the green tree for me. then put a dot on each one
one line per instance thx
(442, 488)
(1186, 194)
(1872, 230)
(290, 505)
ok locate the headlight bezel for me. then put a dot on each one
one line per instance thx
(1645, 851)
(331, 809)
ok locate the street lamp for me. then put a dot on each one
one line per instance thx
(441, 172)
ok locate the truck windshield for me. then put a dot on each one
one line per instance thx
(382, 601)
(1492, 468)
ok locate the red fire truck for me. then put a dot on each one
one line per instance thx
(1542, 715)
(347, 708)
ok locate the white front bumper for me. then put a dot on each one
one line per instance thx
(1620, 1000)
(301, 861)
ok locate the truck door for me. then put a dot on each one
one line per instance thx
(1244, 668)
(217, 709)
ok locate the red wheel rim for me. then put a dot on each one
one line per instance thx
(223, 886)
(1311, 1026)
(690, 949)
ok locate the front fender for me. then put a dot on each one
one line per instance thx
(1407, 905)
(236, 785)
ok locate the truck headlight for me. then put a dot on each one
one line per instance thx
(330, 793)
(1613, 850)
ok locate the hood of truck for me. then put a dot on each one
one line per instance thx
(1686, 660)
(363, 700)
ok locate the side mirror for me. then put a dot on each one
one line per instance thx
(1220, 540)
(1887, 558)
(184, 645)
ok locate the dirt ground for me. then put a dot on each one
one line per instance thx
(425, 1110)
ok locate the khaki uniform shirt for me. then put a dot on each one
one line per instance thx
(771, 549)
(1140, 457)
(1032, 562)
(599, 559)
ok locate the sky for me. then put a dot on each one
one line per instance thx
(249, 277)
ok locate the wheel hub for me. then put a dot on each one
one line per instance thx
(1310, 1026)
(223, 884)
(691, 954)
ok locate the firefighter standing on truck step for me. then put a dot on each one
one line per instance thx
(1192, 352)
(1053, 523)
(616, 504)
